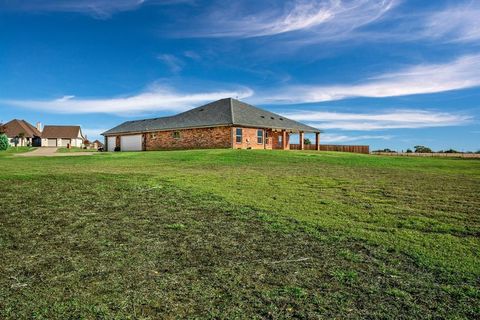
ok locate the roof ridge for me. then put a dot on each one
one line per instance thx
(24, 125)
(231, 109)
(62, 125)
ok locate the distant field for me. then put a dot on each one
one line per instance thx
(239, 234)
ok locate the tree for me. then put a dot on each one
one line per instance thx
(86, 143)
(3, 142)
(422, 149)
(451, 151)
(307, 141)
(387, 150)
(409, 150)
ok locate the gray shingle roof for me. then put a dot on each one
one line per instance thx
(229, 112)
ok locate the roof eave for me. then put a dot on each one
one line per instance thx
(107, 133)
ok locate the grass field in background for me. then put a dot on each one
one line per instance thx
(239, 234)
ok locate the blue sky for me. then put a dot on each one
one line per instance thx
(388, 73)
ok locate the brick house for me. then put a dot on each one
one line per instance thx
(226, 123)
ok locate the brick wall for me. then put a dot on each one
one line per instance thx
(249, 139)
(200, 138)
(272, 139)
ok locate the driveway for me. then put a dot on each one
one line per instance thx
(51, 152)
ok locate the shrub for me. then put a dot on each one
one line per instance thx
(3, 142)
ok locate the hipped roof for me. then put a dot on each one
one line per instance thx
(15, 127)
(228, 112)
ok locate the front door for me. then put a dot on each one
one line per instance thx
(279, 142)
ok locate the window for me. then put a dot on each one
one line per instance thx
(176, 134)
(260, 136)
(238, 135)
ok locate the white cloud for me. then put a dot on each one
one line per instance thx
(155, 99)
(423, 79)
(455, 23)
(337, 138)
(328, 17)
(174, 64)
(459, 23)
(399, 119)
(192, 55)
(101, 9)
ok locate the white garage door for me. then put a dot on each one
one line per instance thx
(131, 143)
(111, 142)
(52, 142)
(66, 142)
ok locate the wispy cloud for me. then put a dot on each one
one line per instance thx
(423, 79)
(338, 138)
(192, 55)
(173, 63)
(457, 23)
(154, 99)
(399, 119)
(243, 19)
(97, 8)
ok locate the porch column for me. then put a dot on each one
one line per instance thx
(317, 140)
(302, 140)
(284, 139)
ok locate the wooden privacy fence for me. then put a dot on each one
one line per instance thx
(333, 147)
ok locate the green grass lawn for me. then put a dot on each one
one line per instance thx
(75, 149)
(13, 150)
(239, 234)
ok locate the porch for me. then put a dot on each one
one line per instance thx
(281, 139)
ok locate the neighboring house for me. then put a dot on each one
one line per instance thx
(62, 136)
(96, 144)
(226, 123)
(18, 128)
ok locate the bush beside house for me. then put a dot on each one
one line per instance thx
(3, 142)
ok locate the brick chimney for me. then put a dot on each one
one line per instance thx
(39, 126)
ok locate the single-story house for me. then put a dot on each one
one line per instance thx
(96, 144)
(62, 136)
(26, 133)
(226, 123)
